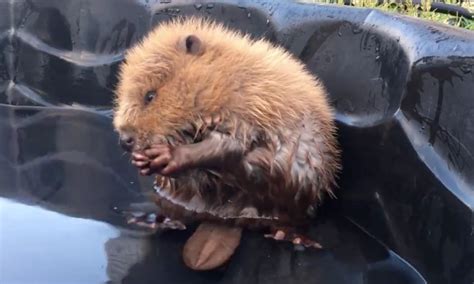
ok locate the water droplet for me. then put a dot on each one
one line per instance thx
(466, 68)
(151, 218)
(209, 6)
(164, 1)
(132, 182)
(249, 15)
(356, 30)
(423, 127)
(198, 6)
(377, 57)
(268, 22)
(377, 49)
(339, 33)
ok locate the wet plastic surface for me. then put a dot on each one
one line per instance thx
(403, 90)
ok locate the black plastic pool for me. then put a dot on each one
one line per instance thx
(404, 94)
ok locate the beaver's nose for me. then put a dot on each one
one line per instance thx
(127, 141)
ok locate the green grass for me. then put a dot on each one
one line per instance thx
(419, 11)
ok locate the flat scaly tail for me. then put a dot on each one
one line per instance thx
(211, 246)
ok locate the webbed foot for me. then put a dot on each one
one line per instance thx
(291, 235)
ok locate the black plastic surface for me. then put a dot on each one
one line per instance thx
(455, 10)
(403, 90)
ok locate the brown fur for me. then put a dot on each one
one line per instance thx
(262, 97)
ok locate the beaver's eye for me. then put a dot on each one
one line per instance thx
(149, 96)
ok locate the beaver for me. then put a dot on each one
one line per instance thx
(237, 131)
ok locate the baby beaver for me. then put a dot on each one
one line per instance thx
(237, 131)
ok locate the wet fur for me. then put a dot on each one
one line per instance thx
(266, 106)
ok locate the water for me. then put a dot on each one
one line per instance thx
(51, 246)
(56, 248)
(68, 163)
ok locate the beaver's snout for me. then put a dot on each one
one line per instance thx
(127, 141)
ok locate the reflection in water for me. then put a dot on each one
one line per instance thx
(40, 246)
(123, 252)
(69, 161)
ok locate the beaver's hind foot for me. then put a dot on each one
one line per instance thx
(293, 235)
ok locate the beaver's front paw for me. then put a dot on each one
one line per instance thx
(164, 160)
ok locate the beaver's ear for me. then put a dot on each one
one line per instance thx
(192, 45)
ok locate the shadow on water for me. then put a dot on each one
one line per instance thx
(59, 188)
